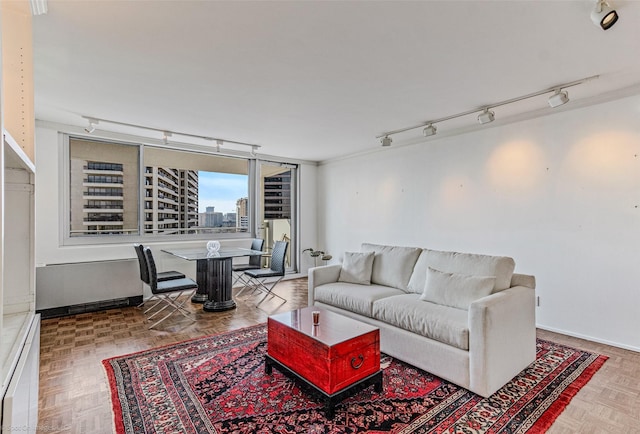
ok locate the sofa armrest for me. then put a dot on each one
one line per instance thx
(502, 338)
(523, 280)
(321, 275)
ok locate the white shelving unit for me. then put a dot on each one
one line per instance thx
(19, 324)
(20, 338)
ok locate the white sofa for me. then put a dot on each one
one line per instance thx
(480, 344)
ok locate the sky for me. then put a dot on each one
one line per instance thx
(221, 190)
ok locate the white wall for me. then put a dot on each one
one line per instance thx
(560, 194)
(308, 201)
(48, 214)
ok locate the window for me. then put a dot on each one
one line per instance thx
(103, 188)
(276, 212)
(139, 190)
(188, 193)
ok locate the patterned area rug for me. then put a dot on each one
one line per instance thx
(217, 384)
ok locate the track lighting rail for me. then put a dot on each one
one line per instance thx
(166, 134)
(487, 107)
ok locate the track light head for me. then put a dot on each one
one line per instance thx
(558, 98)
(386, 141)
(486, 116)
(429, 130)
(603, 15)
(38, 7)
(92, 125)
(165, 136)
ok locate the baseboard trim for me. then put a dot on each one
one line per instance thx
(589, 338)
(95, 306)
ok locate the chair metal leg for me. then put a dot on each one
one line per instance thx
(168, 301)
(166, 305)
(246, 282)
(239, 277)
(177, 307)
(273, 294)
(158, 301)
(260, 285)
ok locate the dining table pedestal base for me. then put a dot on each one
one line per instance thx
(214, 271)
(218, 283)
(218, 306)
(199, 298)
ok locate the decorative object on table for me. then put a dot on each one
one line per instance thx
(316, 317)
(315, 254)
(213, 246)
(218, 383)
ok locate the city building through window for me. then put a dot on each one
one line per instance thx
(182, 192)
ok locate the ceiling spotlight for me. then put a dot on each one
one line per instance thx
(429, 130)
(486, 116)
(38, 7)
(604, 15)
(386, 141)
(165, 136)
(92, 125)
(558, 98)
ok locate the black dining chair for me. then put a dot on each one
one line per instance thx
(144, 274)
(168, 291)
(255, 262)
(258, 278)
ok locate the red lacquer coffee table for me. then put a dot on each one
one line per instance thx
(332, 360)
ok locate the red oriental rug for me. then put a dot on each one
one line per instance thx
(217, 384)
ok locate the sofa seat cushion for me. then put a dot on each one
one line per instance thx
(441, 323)
(470, 264)
(392, 265)
(353, 297)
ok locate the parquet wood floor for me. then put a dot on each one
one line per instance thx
(74, 395)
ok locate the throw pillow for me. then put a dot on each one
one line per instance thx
(392, 265)
(356, 268)
(454, 289)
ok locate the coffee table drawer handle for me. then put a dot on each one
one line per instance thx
(356, 362)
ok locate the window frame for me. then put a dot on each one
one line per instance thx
(65, 210)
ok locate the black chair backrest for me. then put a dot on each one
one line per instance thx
(256, 244)
(279, 257)
(151, 266)
(142, 263)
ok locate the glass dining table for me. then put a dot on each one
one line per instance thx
(213, 275)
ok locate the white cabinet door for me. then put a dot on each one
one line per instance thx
(20, 403)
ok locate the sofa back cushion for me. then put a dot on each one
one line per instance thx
(392, 265)
(356, 268)
(464, 263)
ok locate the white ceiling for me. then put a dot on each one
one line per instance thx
(317, 80)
